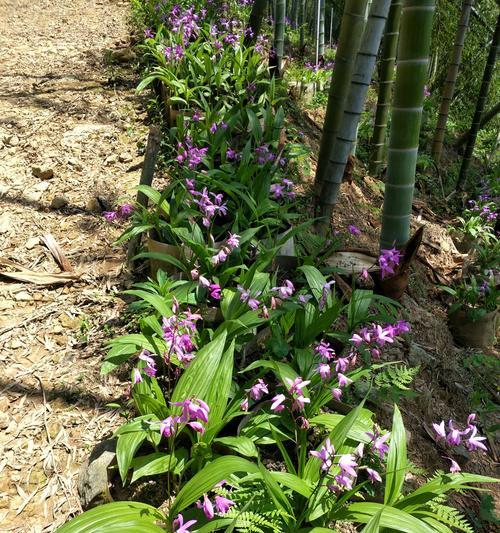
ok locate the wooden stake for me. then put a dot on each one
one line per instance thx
(152, 149)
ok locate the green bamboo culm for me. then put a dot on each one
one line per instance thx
(385, 83)
(451, 78)
(279, 33)
(481, 102)
(361, 79)
(413, 62)
(321, 37)
(351, 33)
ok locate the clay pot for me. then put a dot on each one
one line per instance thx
(163, 248)
(480, 333)
(393, 287)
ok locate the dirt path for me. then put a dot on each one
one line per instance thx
(63, 108)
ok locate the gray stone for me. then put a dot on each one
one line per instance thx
(125, 157)
(418, 356)
(93, 478)
(123, 55)
(59, 201)
(32, 242)
(42, 172)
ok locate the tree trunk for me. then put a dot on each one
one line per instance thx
(489, 115)
(346, 137)
(413, 62)
(385, 83)
(351, 33)
(449, 86)
(279, 34)
(481, 101)
(255, 20)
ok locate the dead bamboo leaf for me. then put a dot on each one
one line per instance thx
(56, 252)
(21, 273)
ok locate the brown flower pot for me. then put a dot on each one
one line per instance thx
(393, 287)
(163, 248)
(480, 333)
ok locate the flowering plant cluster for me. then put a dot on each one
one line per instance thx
(211, 400)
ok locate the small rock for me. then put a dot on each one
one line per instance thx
(93, 480)
(22, 296)
(69, 321)
(12, 140)
(112, 159)
(125, 157)
(42, 172)
(418, 356)
(75, 164)
(32, 242)
(5, 223)
(59, 201)
(4, 420)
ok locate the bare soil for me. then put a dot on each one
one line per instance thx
(64, 107)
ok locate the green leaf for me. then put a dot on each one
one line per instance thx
(440, 485)
(117, 517)
(396, 460)
(315, 280)
(278, 496)
(155, 197)
(160, 256)
(158, 463)
(197, 379)
(293, 482)
(206, 479)
(127, 445)
(390, 517)
(218, 393)
(358, 431)
(373, 526)
(155, 300)
(243, 445)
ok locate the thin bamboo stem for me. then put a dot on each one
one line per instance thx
(449, 86)
(481, 101)
(385, 83)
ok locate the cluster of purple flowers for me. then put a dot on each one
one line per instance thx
(194, 414)
(191, 154)
(453, 436)
(209, 203)
(281, 292)
(375, 337)
(282, 190)
(260, 45)
(174, 53)
(388, 261)
(122, 212)
(214, 289)
(149, 368)
(185, 22)
(264, 154)
(328, 366)
(178, 332)
(221, 504)
(485, 207)
(232, 242)
(348, 464)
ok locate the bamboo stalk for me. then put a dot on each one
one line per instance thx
(279, 33)
(489, 115)
(385, 83)
(413, 62)
(351, 33)
(346, 138)
(321, 33)
(481, 101)
(451, 78)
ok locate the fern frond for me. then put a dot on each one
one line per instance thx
(450, 516)
(398, 376)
